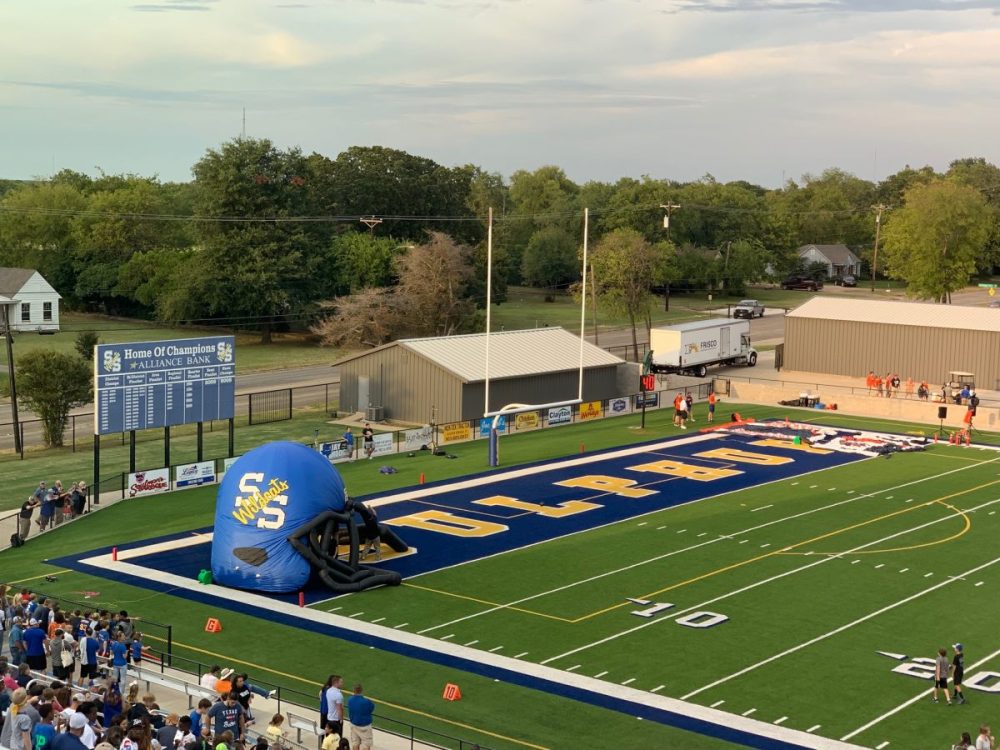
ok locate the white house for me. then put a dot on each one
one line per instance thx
(32, 304)
(838, 259)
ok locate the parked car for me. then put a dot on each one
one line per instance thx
(846, 281)
(994, 303)
(749, 308)
(802, 282)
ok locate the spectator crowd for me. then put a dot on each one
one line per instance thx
(55, 506)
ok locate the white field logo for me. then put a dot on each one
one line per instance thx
(922, 667)
(112, 362)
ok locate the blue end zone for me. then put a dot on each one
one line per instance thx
(523, 528)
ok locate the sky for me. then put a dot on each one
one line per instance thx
(761, 90)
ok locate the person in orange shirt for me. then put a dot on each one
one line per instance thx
(888, 385)
(909, 387)
(878, 385)
(870, 381)
(711, 406)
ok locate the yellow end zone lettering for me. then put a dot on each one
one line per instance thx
(569, 508)
(789, 445)
(614, 485)
(745, 457)
(687, 471)
(444, 522)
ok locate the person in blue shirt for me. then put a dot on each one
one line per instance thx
(360, 709)
(196, 716)
(35, 642)
(89, 647)
(15, 641)
(349, 443)
(43, 733)
(136, 648)
(119, 659)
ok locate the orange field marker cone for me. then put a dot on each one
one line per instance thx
(302, 598)
(212, 625)
(421, 477)
(114, 554)
(583, 448)
(451, 692)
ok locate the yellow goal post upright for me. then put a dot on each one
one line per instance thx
(515, 408)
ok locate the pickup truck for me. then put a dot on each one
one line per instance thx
(749, 308)
(802, 282)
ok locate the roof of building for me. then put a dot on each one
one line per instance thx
(887, 312)
(512, 353)
(12, 279)
(837, 254)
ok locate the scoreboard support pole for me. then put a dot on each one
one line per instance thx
(201, 437)
(131, 451)
(232, 436)
(166, 446)
(96, 484)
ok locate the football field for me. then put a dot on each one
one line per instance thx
(777, 585)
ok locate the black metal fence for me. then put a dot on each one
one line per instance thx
(270, 406)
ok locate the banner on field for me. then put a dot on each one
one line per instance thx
(455, 431)
(561, 415)
(335, 451)
(526, 421)
(382, 443)
(618, 406)
(652, 400)
(486, 422)
(191, 475)
(148, 482)
(590, 410)
(414, 440)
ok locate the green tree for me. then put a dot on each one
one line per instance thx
(359, 260)
(85, 343)
(543, 198)
(933, 241)
(550, 259)
(51, 383)
(625, 269)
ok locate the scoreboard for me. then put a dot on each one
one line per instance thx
(138, 386)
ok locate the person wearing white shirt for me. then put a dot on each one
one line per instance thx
(211, 677)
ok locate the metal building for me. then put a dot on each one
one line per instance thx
(924, 341)
(442, 379)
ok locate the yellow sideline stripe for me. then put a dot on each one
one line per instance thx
(43, 575)
(786, 549)
(483, 601)
(417, 712)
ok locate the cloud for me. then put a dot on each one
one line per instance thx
(828, 6)
(174, 5)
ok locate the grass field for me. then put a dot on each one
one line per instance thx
(817, 573)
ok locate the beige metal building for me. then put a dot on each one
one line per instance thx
(442, 379)
(924, 341)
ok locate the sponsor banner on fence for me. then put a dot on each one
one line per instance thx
(228, 462)
(382, 443)
(336, 450)
(619, 406)
(590, 410)
(148, 482)
(414, 440)
(652, 401)
(486, 422)
(561, 415)
(191, 475)
(456, 431)
(526, 421)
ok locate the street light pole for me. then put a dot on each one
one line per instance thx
(668, 207)
(878, 226)
(18, 448)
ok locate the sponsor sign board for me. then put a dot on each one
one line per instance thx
(590, 410)
(414, 440)
(150, 384)
(526, 421)
(148, 482)
(486, 422)
(191, 475)
(619, 406)
(651, 400)
(382, 443)
(336, 450)
(228, 462)
(455, 431)
(561, 415)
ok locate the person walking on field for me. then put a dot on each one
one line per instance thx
(941, 667)
(711, 406)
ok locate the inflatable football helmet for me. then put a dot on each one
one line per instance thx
(282, 514)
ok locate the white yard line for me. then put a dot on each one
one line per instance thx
(836, 631)
(749, 587)
(748, 530)
(915, 699)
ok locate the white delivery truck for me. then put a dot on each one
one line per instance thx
(689, 348)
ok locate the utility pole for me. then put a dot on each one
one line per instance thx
(668, 207)
(371, 222)
(878, 227)
(10, 376)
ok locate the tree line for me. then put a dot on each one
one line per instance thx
(269, 239)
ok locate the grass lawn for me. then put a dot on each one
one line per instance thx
(288, 350)
(806, 523)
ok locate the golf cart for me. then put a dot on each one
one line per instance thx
(957, 382)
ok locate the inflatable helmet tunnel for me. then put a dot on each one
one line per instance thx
(282, 514)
